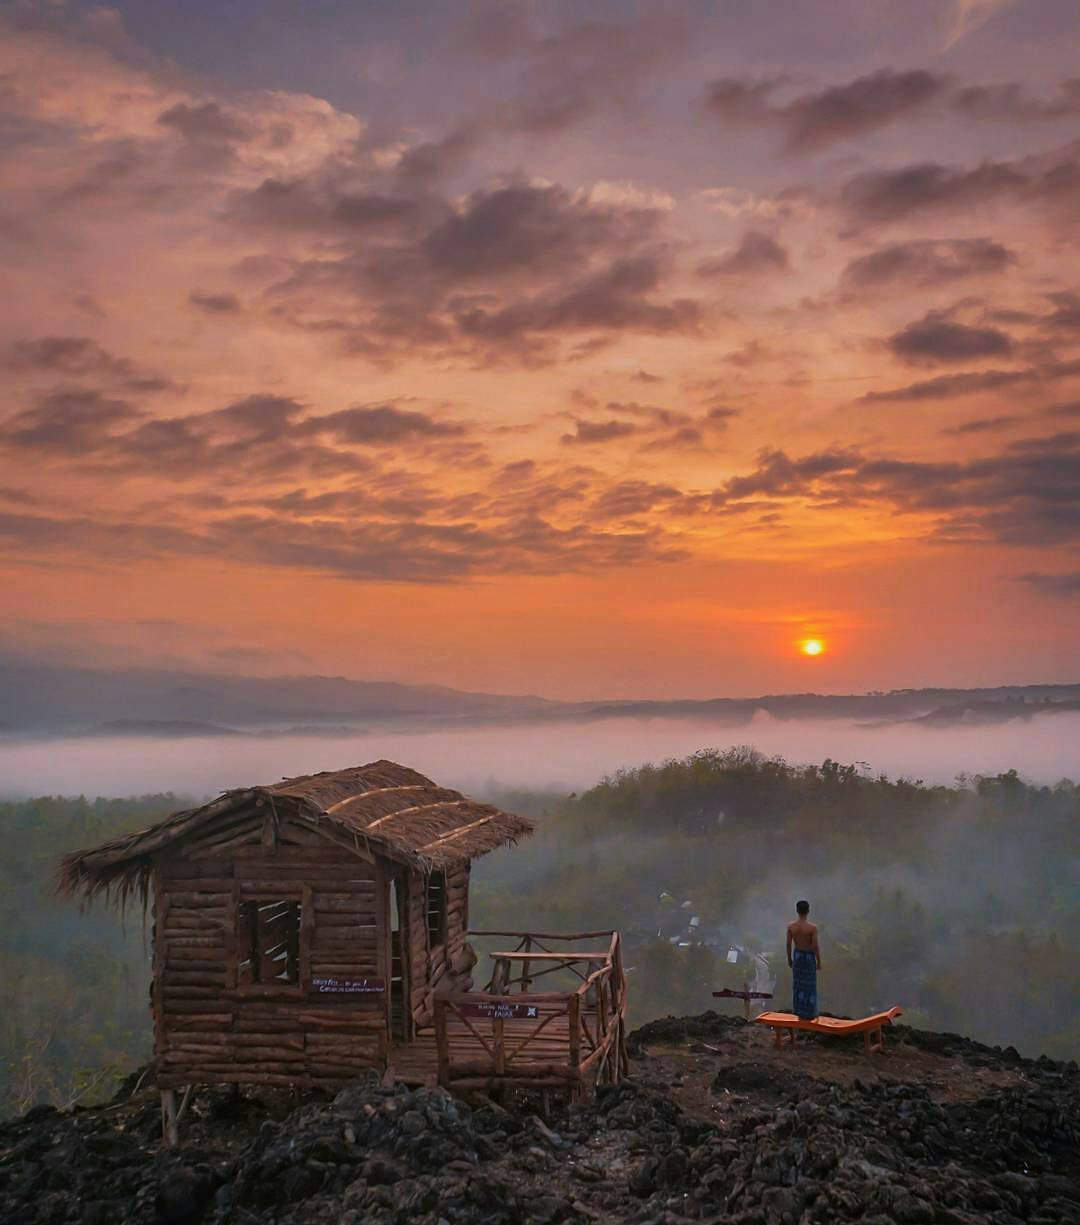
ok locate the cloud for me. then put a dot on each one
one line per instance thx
(566, 77)
(205, 121)
(381, 425)
(259, 433)
(496, 275)
(779, 475)
(364, 550)
(70, 421)
(598, 431)
(215, 303)
(524, 228)
(1027, 495)
(661, 427)
(878, 196)
(936, 338)
(81, 357)
(816, 119)
(1065, 316)
(863, 105)
(983, 425)
(1063, 586)
(757, 252)
(949, 386)
(812, 121)
(616, 298)
(969, 15)
(1012, 102)
(925, 262)
(319, 204)
(423, 164)
(629, 499)
(888, 195)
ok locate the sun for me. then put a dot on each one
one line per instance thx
(811, 646)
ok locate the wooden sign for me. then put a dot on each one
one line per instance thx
(496, 1011)
(348, 986)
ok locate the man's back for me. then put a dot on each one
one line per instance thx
(803, 934)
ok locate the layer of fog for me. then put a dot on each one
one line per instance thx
(566, 756)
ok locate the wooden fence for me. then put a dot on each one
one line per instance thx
(513, 1036)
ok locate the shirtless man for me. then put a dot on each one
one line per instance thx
(804, 958)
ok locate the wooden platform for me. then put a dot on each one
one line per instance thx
(871, 1028)
(567, 1040)
(417, 1062)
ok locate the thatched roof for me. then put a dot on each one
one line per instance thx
(382, 807)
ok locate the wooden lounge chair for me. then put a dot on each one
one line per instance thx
(784, 1025)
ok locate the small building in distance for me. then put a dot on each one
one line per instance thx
(303, 928)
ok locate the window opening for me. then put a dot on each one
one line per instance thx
(436, 909)
(269, 941)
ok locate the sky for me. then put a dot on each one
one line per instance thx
(580, 349)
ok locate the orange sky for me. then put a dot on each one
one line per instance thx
(501, 349)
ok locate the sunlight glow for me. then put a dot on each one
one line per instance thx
(811, 646)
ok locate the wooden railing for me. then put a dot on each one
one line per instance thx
(568, 1040)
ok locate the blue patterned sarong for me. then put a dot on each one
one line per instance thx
(804, 984)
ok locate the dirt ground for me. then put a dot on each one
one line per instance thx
(709, 1077)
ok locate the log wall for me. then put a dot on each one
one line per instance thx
(210, 1025)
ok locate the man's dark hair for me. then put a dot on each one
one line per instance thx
(802, 907)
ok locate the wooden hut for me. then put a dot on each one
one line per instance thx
(301, 928)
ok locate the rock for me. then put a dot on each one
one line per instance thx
(183, 1195)
(545, 1210)
(540, 1129)
(785, 1149)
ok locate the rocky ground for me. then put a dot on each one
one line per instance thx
(715, 1125)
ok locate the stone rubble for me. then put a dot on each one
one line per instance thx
(880, 1152)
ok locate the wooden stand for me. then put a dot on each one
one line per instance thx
(746, 995)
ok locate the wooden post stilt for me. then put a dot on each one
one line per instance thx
(170, 1127)
(188, 1091)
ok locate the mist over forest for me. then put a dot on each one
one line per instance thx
(951, 897)
(557, 756)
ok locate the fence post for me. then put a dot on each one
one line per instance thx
(573, 1014)
(442, 1046)
(497, 1027)
(526, 981)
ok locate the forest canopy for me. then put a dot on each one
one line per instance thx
(955, 902)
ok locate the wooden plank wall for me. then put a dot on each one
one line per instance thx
(211, 1029)
(431, 968)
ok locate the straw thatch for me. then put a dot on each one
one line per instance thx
(384, 808)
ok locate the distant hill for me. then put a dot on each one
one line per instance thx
(989, 713)
(160, 727)
(53, 700)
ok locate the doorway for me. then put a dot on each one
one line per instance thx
(399, 961)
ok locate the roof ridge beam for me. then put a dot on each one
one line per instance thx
(401, 812)
(462, 829)
(374, 791)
